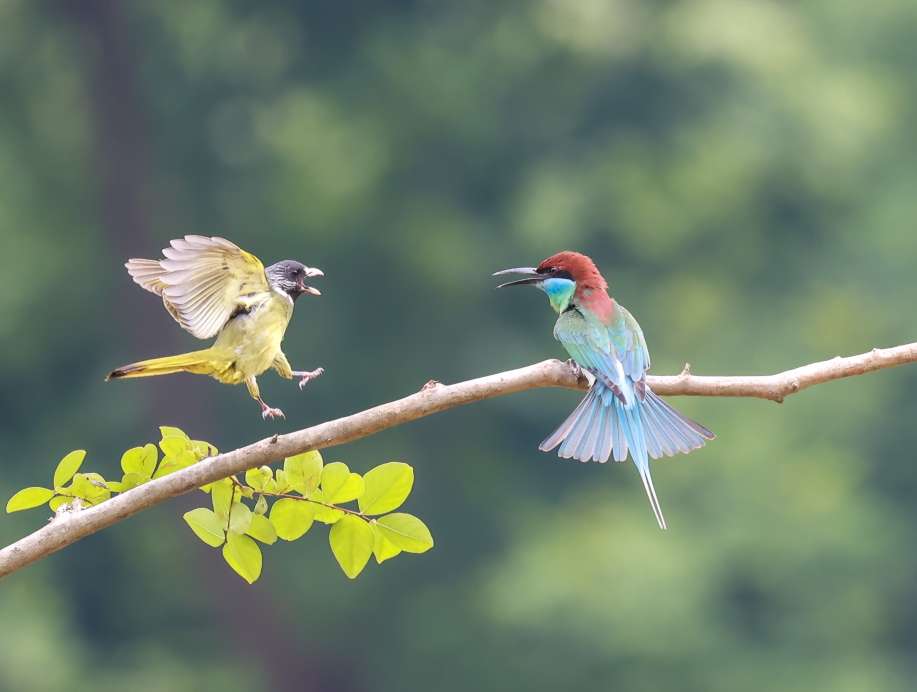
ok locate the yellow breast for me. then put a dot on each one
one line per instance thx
(252, 340)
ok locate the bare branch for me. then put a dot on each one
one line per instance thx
(432, 398)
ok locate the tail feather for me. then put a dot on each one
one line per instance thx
(196, 362)
(564, 429)
(602, 427)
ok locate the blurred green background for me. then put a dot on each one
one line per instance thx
(743, 172)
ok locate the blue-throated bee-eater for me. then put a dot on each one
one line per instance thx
(620, 412)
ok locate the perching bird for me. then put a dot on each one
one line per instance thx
(620, 412)
(212, 287)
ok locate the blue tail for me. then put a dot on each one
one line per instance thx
(602, 426)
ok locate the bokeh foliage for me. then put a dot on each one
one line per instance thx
(743, 172)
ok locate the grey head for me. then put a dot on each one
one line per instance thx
(289, 276)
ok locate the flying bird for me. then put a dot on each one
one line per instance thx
(212, 287)
(620, 412)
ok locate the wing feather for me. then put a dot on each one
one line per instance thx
(202, 281)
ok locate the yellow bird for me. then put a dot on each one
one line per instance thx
(212, 287)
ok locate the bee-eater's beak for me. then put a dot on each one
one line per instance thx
(311, 272)
(533, 278)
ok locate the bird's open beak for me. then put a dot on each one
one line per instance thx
(311, 272)
(533, 276)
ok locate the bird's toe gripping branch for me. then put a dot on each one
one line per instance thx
(308, 375)
(576, 368)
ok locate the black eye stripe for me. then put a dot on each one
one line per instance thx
(556, 273)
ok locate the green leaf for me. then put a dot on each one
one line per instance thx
(68, 466)
(326, 515)
(244, 556)
(28, 498)
(57, 501)
(140, 460)
(406, 532)
(383, 548)
(206, 526)
(171, 464)
(222, 495)
(303, 471)
(261, 505)
(280, 484)
(167, 431)
(256, 478)
(387, 486)
(339, 484)
(240, 519)
(202, 450)
(352, 543)
(176, 446)
(116, 486)
(292, 518)
(132, 480)
(90, 487)
(262, 529)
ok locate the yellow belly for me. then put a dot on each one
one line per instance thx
(251, 342)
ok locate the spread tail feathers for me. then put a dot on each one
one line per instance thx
(198, 362)
(602, 427)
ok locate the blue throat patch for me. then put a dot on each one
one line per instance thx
(560, 292)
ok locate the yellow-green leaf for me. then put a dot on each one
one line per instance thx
(176, 446)
(57, 501)
(206, 526)
(27, 498)
(171, 464)
(326, 515)
(132, 480)
(68, 466)
(140, 460)
(292, 518)
(243, 555)
(261, 505)
(240, 518)
(168, 431)
(405, 531)
(222, 495)
(256, 478)
(90, 487)
(352, 543)
(262, 529)
(279, 484)
(387, 486)
(339, 484)
(202, 450)
(383, 548)
(303, 471)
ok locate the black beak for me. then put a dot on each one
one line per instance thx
(533, 276)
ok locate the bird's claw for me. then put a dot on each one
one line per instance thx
(268, 412)
(575, 367)
(307, 377)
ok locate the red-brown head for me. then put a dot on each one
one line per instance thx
(579, 267)
(569, 279)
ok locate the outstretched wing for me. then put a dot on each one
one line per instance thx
(202, 281)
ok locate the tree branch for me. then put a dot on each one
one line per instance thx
(432, 398)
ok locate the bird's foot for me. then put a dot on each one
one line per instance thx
(575, 367)
(268, 412)
(308, 375)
